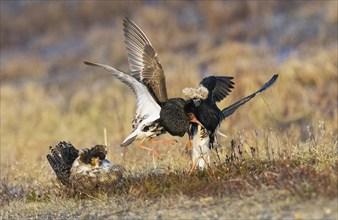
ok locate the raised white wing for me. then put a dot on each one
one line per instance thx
(145, 103)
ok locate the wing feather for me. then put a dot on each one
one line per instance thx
(143, 60)
(145, 103)
(219, 86)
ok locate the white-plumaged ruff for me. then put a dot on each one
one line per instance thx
(147, 109)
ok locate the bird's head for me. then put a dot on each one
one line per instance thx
(190, 110)
(94, 155)
(99, 151)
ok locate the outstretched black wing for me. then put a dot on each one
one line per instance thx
(232, 108)
(220, 86)
(61, 159)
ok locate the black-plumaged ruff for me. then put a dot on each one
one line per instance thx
(207, 111)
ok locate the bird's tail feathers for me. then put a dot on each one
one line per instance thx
(130, 139)
(61, 158)
(232, 108)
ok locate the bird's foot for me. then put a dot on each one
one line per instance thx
(152, 151)
(173, 141)
(193, 167)
(155, 153)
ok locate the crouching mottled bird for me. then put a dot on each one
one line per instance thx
(84, 169)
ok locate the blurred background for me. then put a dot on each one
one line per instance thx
(49, 95)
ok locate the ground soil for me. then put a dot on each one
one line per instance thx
(265, 203)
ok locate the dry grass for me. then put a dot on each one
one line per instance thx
(281, 150)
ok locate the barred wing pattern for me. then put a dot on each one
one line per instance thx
(143, 60)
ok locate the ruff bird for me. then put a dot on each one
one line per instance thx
(207, 111)
(175, 116)
(154, 111)
(210, 116)
(84, 169)
(215, 88)
(144, 65)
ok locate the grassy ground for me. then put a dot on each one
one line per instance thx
(278, 161)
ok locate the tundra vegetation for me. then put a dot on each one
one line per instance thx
(279, 159)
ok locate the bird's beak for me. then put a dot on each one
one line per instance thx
(194, 119)
(96, 161)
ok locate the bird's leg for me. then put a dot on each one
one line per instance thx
(193, 167)
(195, 164)
(205, 161)
(151, 141)
(152, 151)
(188, 144)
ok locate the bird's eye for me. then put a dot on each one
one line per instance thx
(190, 115)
